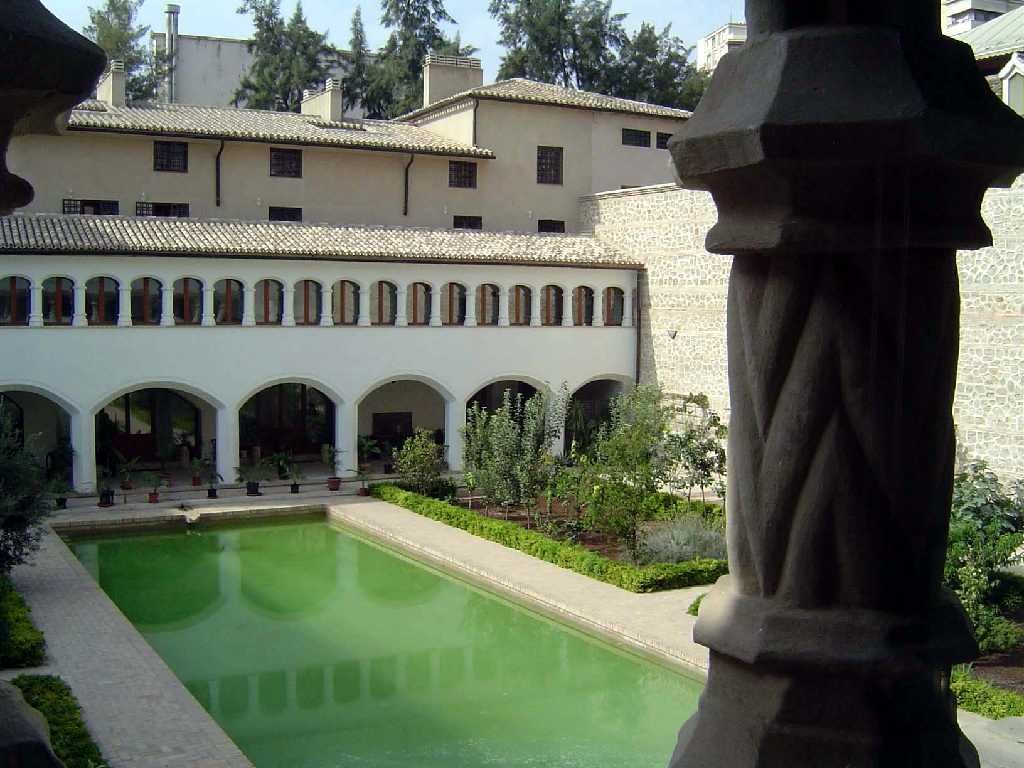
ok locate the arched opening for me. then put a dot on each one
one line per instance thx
(384, 303)
(154, 429)
(188, 301)
(583, 306)
(147, 301)
(307, 302)
(58, 301)
(101, 306)
(390, 415)
(520, 298)
(46, 425)
(419, 302)
(614, 306)
(551, 305)
(269, 302)
(589, 408)
(491, 397)
(14, 301)
(345, 296)
(487, 304)
(453, 304)
(292, 419)
(228, 302)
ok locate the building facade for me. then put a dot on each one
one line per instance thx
(712, 48)
(960, 16)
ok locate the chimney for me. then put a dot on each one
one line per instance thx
(327, 104)
(111, 88)
(444, 76)
(171, 51)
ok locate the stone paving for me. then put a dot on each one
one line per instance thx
(142, 716)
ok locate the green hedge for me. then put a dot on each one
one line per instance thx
(983, 698)
(649, 578)
(21, 644)
(68, 735)
(694, 608)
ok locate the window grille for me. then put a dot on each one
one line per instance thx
(462, 174)
(634, 138)
(283, 213)
(286, 162)
(92, 207)
(468, 222)
(167, 210)
(170, 156)
(549, 165)
(551, 225)
(663, 140)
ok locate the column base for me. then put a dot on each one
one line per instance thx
(759, 717)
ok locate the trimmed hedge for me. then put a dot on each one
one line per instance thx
(983, 698)
(21, 644)
(648, 578)
(71, 741)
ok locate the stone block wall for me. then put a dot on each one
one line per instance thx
(682, 304)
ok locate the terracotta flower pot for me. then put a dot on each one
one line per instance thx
(211, 493)
(107, 498)
(334, 483)
(363, 491)
(197, 481)
(154, 497)
(252, 488)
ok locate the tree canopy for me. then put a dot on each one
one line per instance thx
(288, 58)
(112, 27)
(357, 80)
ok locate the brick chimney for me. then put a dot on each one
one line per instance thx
(327, 104)
(111, 87)
(444, 76)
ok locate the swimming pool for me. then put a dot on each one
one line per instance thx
(312, 647)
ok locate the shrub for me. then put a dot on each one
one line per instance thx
(694, 608)
(419, 462)
(68, 735)
(697, 446)
(650, 578)
(24, 503)
(983, 698)
(21, 644)
(1008, 593)
(685, 538)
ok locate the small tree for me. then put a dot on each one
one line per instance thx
(357, 80)
(631, 463)
(419, 462)
(112, 27)
(24, 503)
(697, 446)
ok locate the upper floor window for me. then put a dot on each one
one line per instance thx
(614, 306)
(583, 306)
(462, 174)
(92, 207)
(345, 297)
(551, 305)
(384, 303)
(468, 222)
(286, 162)
(58, 301)
(170, 156)
(488, 304)
(147, 301)
(420, 300)
(167, 210)
(188, 301)
(520, 305)
(551, 226)
(549, 165)
(306, 302)
(269, 302)
(101, 301)
(663, 139)
(634, 138)
(453, 304)
(14, 301)
(228, 300)
(283, 213)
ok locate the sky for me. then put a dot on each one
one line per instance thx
(690, 19)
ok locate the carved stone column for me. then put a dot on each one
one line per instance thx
(847, 146)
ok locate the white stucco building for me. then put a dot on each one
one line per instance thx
(712, 48)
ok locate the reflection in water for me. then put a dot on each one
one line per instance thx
(313, 649)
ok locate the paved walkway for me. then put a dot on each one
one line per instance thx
(142, 716)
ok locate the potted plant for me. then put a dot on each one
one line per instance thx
(333, 481)
(106, 490)
(154, 481)
(58, 488)
(251, 475)
(282, 464)
(368, 449)
(125, 467)
(295, 474)
(362, 476)
(212, 477)
(197, 466)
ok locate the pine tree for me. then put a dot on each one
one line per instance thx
(112, 27)
(287, 58)
(357, 81)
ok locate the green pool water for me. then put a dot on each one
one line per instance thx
(314, 648)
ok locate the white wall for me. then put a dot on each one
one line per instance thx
(426, 405)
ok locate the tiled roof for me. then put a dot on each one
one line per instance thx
(126, 236)
(998, 37)
(532, 92)
(265, 126)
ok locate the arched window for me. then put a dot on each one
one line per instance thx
(147, 301)
(269, 302)
(583, 306)
(101, 301)
(453, 304)
(420, 296)
(306, 304)
(614, 305)
(519, 305)
(228, 302)
(384, 303)
(58, 301)
(487, 301)
(551, 305)
(345, 303)
(188, 301)
(14, 301)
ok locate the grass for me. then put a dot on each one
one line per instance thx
(24, 645)
(694, 608)
(69, 737)
(983, 698)
(649, 578)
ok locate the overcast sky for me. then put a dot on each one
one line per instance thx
(690, 19)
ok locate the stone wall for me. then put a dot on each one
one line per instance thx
(683, 299)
